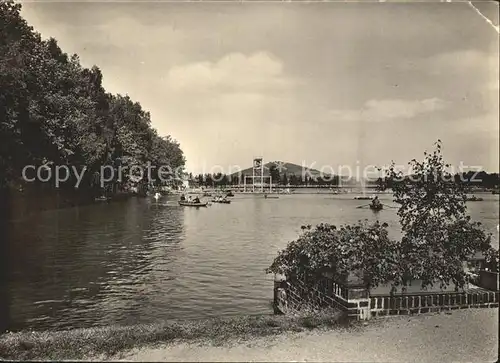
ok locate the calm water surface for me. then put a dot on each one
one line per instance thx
(140, 261)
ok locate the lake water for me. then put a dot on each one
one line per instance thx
(140, 261)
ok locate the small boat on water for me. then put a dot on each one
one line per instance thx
(192, 204)
(363, 198)
(474, 199)
(271, 196)
(285, 191)
(229, 194)
(224, 201)
(102, 199)
(376, 207)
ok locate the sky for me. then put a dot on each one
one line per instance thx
(325, 84)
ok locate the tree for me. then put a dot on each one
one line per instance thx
(217, 179)
(274, 173)
(208, 180)
(284, 179)
(438, 235)
(54, 111)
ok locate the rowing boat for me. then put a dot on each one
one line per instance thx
(102, 199)
(376, 207)
(224, 201)
(474, 199)
(192, 204)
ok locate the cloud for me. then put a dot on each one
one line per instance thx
(248, 88)
(235, 72)
(482, 125)
(456, 62)
(389, 109)
(473, 140)
(233, 100)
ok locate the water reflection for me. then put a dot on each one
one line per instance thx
(142, 261)
(90, 263)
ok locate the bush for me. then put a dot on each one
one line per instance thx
(364, 248)
(492, 260)
(438, 236)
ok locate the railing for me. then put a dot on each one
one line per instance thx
(297, 298)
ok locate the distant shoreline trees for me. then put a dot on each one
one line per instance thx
(468, 180)
(285, 180)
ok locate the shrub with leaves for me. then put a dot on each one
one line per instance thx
(492, 260)
(362, 248)
(438, 235)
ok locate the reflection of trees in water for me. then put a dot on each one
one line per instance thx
(4, 260)
(143, 269)
(38, 246)
(113, 263)
(88, 257)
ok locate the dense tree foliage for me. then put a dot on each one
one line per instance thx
(56, 112)
(362, 248)
(274, 173)
(282, 180)
(479, 179)
(437, 236)
(468, 180)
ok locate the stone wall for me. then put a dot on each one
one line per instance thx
(351, 297)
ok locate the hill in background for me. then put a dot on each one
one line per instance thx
(298, 171)
(288, 168)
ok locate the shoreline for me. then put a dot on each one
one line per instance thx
(459, 335)
(87, 343)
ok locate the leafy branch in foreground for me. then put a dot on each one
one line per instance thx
(437, 236)
(362, 248)
(54, 111)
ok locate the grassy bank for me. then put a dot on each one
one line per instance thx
(108, 341)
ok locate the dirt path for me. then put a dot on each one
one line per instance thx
(462, 336)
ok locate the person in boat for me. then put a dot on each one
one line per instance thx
(376, 202)
(196, 200)
(183, 198)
